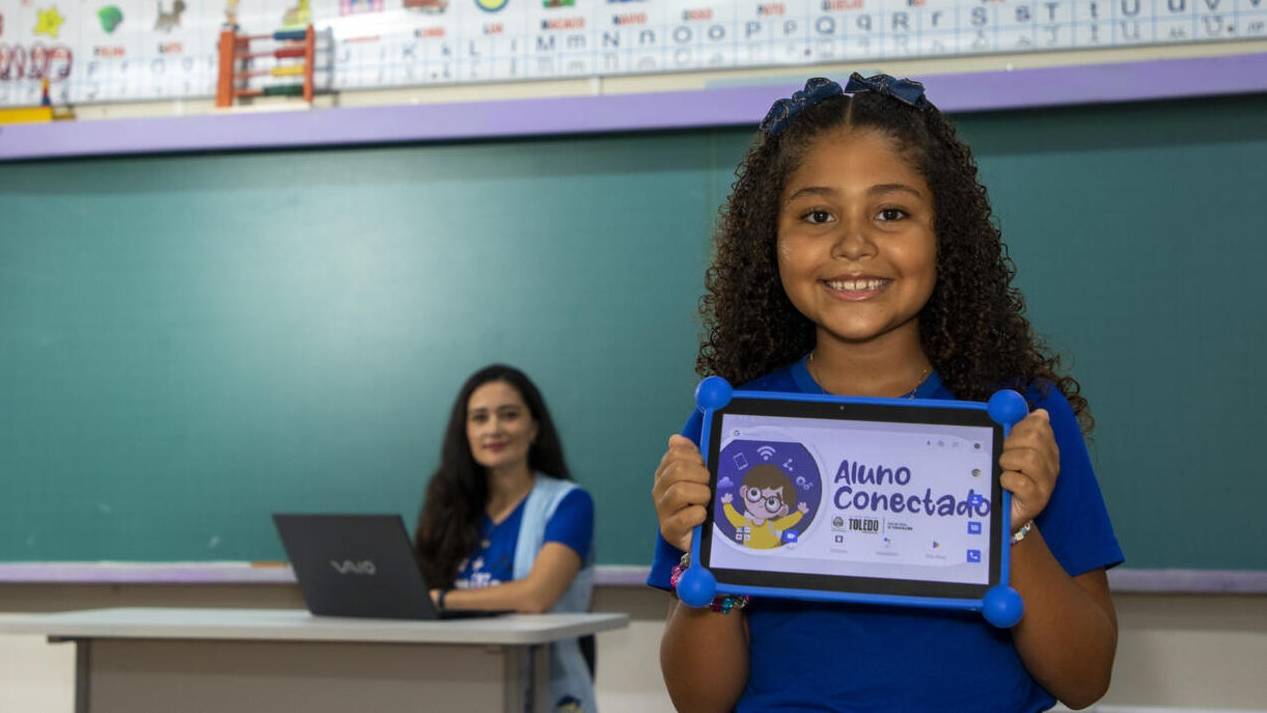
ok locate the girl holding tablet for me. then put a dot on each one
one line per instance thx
(857, 256)
(503, 526)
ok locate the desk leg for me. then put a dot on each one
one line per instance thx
(83, 670)
(541, 698)
(528, 679)
(83, 673)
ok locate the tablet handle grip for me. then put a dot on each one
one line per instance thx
(698, 587)
(1002, 605)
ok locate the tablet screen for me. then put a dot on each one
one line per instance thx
(854, 497)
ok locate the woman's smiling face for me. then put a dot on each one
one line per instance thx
(499, 427)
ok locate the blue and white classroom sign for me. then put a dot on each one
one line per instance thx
(124, 50)
(888, 500)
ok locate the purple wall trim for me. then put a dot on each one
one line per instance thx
(735, 106)
(1187, 581)
(1155, 581)
(144, 573)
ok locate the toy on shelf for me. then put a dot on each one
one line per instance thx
(238, 58)
(37, 114)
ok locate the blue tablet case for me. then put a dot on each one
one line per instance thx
(1001, 605)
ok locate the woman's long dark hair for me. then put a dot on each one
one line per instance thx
(448, 528)
(973, 328)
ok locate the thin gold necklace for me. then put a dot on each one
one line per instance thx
(809, 366)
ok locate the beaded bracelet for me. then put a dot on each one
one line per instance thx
(722, 603)
(1021, 533)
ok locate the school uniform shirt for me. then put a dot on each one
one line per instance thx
(812, 656)
(493, 561)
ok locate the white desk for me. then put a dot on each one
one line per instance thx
(247, 660)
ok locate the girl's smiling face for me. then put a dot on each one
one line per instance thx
(856, 248)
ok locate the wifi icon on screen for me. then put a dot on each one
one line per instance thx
(766, 452)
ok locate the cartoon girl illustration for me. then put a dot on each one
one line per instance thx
(767, 491)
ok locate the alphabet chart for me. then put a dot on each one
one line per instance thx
(128, 50)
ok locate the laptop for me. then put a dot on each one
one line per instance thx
(359, 566)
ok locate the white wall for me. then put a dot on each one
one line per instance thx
(1185, 652)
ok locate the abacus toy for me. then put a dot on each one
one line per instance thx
(237, 57)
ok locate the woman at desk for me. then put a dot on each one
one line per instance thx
(503, 526)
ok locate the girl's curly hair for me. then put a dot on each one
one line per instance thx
(973, 328)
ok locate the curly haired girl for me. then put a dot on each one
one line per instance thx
(856, 255)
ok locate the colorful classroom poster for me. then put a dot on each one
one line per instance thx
(127, 50)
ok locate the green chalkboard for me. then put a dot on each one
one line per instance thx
(190, 343)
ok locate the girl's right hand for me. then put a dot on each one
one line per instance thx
(681, 492)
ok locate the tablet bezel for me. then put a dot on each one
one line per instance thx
(921, 411)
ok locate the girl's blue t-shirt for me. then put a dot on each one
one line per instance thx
(493, 561)
(809, 656)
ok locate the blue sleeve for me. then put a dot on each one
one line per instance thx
(573, 523)
(667, 555)
(1075, 524)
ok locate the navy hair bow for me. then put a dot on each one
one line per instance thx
(907, 91)
(817, 89)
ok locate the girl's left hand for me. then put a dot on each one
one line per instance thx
(1030, 463)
